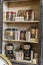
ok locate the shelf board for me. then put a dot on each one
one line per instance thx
(20, 61)
(36, 21)
(16, 0)
(22, 41)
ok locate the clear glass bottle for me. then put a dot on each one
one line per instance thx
(33, 31)
(9, 33)
(8, 16)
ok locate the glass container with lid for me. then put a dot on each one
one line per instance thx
(33, 31)
(8, 16)
(9, 33)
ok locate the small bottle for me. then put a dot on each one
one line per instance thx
(8, 16)
(27, 15)
(31, 54)
(8, 33)
(13, 33)
(18, 35)
(28, 35)
(36, 57)
(21, 53)
(36, 36)
(22, 35)
(11, 16)
(33, 31)
(32, 15)
(14, 15)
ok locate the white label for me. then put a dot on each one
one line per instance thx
(15, 35)
(31, 54)
(18, 35)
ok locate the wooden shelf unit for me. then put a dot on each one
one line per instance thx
(13, 5)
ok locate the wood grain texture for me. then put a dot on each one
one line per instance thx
(35, 5)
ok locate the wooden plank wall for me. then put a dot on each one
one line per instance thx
(35, 5)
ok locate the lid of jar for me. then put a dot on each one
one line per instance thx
(23, 31)
(14, 29)
(8, 29)
(14, 12)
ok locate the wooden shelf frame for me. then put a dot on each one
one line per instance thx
(26, 23)
(23, 61)
(17, 0)
(20, 61)
(22, 41)
(35, 21)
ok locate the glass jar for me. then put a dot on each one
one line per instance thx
(8, 16)
(9, 33)
(33, 31)
(14, 15)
